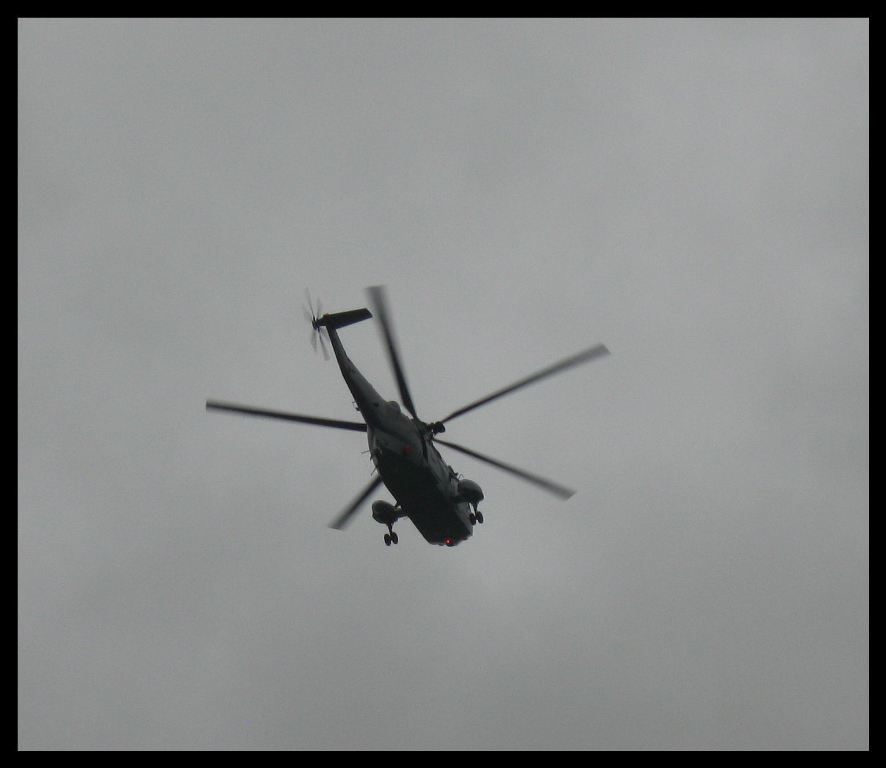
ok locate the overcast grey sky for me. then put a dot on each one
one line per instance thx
(693, 194)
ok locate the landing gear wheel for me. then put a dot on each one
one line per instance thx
(479, 517)
(394, 538)
(387, 540)
(472, 517)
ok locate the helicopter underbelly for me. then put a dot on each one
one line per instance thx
(430, 508)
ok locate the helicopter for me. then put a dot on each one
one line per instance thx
(439, 502)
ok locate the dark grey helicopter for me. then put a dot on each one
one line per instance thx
(427, 490)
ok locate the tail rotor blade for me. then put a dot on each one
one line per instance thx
(345, 516)
(323, 345)
(380, 305)
(548, 485)
(310, 303)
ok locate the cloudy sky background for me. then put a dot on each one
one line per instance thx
(693, 194)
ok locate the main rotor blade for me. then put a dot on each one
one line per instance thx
(582, 357)
(214, 405)
(344, 518)
(541, 482)
(380, 305)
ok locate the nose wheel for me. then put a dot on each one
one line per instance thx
(476, 516)
(391, 537)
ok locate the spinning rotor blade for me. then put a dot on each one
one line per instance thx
(315, 335)
(314, 314)
(380, 305)
(582, 357)
(547, 485)
(344, 518)
(322, 344)
(214, 405)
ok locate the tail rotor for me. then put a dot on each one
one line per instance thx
(312, 317)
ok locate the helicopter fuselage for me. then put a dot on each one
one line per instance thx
(425, 487)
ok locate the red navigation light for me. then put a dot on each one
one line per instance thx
(447, 542)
